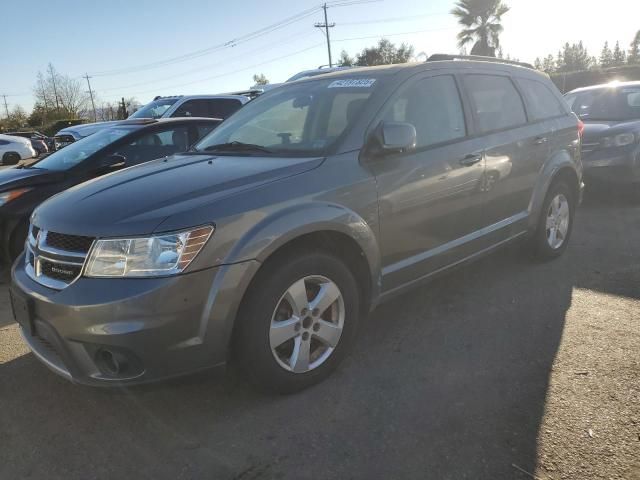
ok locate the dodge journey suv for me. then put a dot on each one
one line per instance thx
(269, 240)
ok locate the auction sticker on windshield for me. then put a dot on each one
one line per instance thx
(353, 83)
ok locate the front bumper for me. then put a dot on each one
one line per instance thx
(621, 165)
(150, 329)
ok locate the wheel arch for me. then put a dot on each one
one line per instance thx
(560, 167)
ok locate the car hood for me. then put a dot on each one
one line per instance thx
(11, 178)
(135, 201)
(86, 129)
(595, 130)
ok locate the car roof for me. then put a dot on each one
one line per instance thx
(614, 84)
(407, 69)
(147, 122)
(14, 138)
(229, 96)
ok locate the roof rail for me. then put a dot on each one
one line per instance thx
(444, 56)
(251, 93)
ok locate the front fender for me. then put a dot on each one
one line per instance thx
(560, 161)
(276, 230)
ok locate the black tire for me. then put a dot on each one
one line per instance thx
(251, 349)
(10, 158)
(541, 245)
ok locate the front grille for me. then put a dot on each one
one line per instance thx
(69, 243)
(62, 272)
(55, 260)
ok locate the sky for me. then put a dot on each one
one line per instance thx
(125, 45)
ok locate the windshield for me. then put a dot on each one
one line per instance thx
(306, 119)
(155, 109)
(607, 104)
(75, 153)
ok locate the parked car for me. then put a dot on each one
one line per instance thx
(268, 241)
(129, 143)
(212, 106)
(40, 142)
(611, 139)
(13, 149)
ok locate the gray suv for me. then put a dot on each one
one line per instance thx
(269, 241)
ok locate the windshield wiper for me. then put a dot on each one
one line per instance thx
(237, 147)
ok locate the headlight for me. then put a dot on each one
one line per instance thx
(154, 256)
(621, 140)
(6, 197)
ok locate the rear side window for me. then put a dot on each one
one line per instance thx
(433, 107)
(222, 107)
(495, 102)
(542, 103)
(192, 108)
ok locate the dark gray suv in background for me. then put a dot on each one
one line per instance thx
(268, 241)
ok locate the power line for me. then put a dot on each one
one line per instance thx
(225, 61)
(250, 67)
(383, 35)
(393, 19)
(228, 44)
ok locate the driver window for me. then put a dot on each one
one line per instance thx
(433, 107)
(156, 145)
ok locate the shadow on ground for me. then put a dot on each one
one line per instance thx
(448, 382)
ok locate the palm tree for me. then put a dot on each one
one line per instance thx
(481, 21)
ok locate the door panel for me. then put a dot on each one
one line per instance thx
(514, 149)
(427, 198)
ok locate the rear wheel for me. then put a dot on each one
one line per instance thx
(10, 158)
(555, 223)
(297, 322)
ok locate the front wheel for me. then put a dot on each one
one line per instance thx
(555, 223)
(297, 322)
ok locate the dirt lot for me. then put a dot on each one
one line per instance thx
(500, 370)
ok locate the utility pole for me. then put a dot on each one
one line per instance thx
(326, 25)
(55, 89)
(6, 107)
(95, 116)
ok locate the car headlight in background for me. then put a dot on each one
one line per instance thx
(6, 197)
(620, 140)
(154, 256)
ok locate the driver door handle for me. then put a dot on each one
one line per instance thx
(471, 159)
(540, 140)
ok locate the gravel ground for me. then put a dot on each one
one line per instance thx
(504, 369)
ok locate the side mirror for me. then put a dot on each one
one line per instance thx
(395, 137)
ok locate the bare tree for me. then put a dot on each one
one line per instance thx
(60, 95)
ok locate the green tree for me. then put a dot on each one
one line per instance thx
(606, 56)
(549, 64)
(260, 79)
(384, 53)
(634, 51)
(619, 55)
(345, 60)
(481, 22)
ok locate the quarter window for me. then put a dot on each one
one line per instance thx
(541, 101)
(433, 107)
(495, 101)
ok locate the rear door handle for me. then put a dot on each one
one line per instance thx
(540, 140)
(471, 159)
